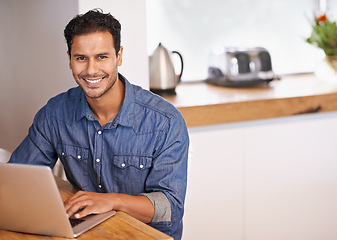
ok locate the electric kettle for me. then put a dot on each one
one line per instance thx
(163, 78)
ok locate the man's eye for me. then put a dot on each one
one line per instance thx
(80, 58)
(102, 57)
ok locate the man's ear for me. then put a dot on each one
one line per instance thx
(120, 56)
(69, 57)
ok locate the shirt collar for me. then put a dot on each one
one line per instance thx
(84, 109)
(125, 115)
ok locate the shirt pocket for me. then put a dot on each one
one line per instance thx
(130, 173)
(75, 162)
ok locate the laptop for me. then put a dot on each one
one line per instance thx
(30, 202)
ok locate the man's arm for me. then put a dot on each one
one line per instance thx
(36, 148)
(139, 207)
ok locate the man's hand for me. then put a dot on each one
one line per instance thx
(89, 202)
(139, 207)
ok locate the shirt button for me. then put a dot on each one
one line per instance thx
(123, 165)
(100, 186)
(79, 156)
(62, 154)
(114, 124)
(141, 166)
(99, 132)
(98, 160)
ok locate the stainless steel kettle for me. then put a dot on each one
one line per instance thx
(163, 78)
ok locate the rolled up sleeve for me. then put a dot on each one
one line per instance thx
(161, 206)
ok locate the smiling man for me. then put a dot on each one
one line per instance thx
(123, 146)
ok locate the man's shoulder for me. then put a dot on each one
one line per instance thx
(152, 102)
(153, 113)
(64, 105)
(73, 94)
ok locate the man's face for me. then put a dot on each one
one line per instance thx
(94, 63)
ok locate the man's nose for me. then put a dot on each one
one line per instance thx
(92, 67)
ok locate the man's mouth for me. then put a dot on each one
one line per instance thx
(93, 81)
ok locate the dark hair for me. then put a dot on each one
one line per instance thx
(93, 21)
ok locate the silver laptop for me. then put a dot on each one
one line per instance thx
(30, 202)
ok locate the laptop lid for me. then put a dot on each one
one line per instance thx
(30, 202)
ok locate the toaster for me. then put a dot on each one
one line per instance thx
(240, 67)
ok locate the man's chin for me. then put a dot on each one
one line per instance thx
(94, 94)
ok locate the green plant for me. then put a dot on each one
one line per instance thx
(324, 35)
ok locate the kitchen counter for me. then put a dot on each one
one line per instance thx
(204, 104)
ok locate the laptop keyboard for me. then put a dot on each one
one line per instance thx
(74, 221)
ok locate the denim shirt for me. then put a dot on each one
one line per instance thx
(143, 151)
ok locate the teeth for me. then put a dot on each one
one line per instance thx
(93, 81)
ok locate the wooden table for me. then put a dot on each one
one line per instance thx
(120, 226)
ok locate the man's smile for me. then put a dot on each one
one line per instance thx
(92, 79)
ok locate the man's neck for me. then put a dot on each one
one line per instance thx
(106, 107)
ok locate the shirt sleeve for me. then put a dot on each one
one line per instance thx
(36, 147)
(167, 180)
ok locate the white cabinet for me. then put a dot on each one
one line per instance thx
(269, 179)
(215, 184)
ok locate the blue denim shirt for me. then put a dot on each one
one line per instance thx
(143, 151)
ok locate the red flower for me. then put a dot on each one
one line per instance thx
(322, 18)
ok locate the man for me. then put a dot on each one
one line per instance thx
(125, 147)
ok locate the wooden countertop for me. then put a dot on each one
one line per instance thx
(204, 104)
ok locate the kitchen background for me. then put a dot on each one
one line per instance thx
(254, 180)
(279, 26)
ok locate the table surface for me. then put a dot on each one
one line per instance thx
(120, 226)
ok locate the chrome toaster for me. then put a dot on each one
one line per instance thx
(240, 67)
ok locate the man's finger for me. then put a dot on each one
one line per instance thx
(74, 209)
(79, 196)
(83, 212)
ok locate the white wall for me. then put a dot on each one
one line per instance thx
(33, 59)
(261, 180)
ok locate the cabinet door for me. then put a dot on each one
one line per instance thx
(214, 200)
(291, 180)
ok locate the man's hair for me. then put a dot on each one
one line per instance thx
(93, 21)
